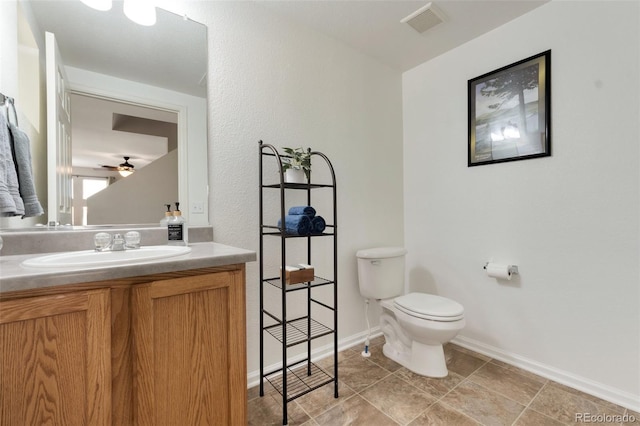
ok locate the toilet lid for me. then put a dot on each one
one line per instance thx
(429, 306)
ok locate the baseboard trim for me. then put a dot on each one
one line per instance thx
(253, 378)
(608, 393)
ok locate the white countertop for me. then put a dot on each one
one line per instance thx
(15, 277)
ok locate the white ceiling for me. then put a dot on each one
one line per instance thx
(373, 26)
(95, 143)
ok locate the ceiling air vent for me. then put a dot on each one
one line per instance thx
(424, 18)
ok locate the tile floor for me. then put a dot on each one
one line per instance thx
(478, 391)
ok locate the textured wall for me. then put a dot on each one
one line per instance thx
(289, 86)
(570, 221)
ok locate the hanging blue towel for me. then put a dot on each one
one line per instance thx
(318, 225)
(296, 224)
(303, 210)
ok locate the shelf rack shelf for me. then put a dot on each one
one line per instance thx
(293, 380)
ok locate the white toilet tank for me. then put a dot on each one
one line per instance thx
(381, 272)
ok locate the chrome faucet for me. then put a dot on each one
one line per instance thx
(104, 241)
(117, 244)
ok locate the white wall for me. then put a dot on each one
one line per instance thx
(22, 78)
(569, 221)
(289, 86)
(160, 183)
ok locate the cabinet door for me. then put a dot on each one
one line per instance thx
(55, 363)
(189, 351)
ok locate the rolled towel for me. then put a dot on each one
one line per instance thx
(318, 225)
(303, 210)
(296, 224)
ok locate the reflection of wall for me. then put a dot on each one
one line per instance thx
(138, 198)
(21, 77)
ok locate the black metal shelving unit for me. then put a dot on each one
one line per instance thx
(301, 377)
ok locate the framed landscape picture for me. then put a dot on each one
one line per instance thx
(510, 112)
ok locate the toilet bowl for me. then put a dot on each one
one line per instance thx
(415, 325)
(427, 322)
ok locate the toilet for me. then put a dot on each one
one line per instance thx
(415, 325)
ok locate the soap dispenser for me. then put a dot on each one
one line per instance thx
(167, 216)
(177, 229)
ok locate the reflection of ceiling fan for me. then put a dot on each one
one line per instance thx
(125, 169)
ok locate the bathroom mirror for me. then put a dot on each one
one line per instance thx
(163, 66)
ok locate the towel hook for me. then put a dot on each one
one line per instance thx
(8, 105)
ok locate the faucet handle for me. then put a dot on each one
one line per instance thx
(132, 240)
(102, 241)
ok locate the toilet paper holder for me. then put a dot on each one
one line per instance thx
(513, 269)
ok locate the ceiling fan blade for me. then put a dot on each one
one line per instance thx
(112, 168)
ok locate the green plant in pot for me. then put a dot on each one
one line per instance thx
(296, 164)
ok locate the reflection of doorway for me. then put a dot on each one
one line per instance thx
(104, 131)
(82, 188)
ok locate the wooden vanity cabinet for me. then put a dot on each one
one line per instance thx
(172, 345)
(55, 360)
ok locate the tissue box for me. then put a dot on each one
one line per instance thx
(298, 274)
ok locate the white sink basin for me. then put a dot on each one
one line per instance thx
(87, 258)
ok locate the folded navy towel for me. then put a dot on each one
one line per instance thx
(318, 225)
(305, 210)
(296, 224)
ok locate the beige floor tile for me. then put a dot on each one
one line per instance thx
(320, 400)
(378, 357)
(462, 363)
(355, 411)
(609, 405)
(359, 373)
(434, 387)
(555, 401)
(326, 363)
(377, 341)
(397, 398)
(267, 410)
(533, 418)
(442, 415)
(254, 392)
(483, 405)
(509, 383)
(632, 417)
(478, 391)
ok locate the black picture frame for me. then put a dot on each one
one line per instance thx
(510, 112)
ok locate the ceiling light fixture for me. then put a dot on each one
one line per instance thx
(126, 168)
(142, 12)
(103, 5)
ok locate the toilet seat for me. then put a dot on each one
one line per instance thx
(429, 307)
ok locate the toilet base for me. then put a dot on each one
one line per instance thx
(425, 360)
